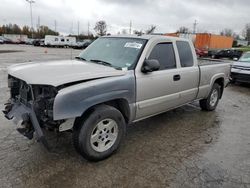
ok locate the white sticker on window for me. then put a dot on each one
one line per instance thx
(133, 45)
(124, 68)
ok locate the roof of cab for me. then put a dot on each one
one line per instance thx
(147, 37)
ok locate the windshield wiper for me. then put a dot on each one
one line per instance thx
(81, 58)
(104, 63)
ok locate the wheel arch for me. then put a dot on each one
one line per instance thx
(221, 82)
(120, 104)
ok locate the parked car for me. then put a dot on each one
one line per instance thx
(82, 45)
(211, 53)
(29, 41)
(86, 43)
(77, 45)
(96, 95)
(42, 43)
(240, 71)
(228, 53)
(1, 41)
(38, 42)
(201, 53)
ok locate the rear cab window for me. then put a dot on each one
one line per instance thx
(185, 54)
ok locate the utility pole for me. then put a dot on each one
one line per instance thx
(38, 22)
(31, 19)
(88, 29)
(78, 27)
(130, 26)
(71, 29)
(55, 25)
(195, 25)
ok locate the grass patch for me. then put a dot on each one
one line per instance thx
(244, 49)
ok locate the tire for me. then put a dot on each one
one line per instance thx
(210, 103)
(100, 134)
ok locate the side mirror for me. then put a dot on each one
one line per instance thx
(235, 59)
(150, 65)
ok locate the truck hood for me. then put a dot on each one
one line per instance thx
(241, 65)
(61, 72)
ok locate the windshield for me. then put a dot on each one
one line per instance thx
(245, 58)
(117, 52)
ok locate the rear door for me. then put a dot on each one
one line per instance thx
(188, 71)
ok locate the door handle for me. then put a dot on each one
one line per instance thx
(177, 77)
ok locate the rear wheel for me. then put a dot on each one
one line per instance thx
(210, 103)
(100, 134)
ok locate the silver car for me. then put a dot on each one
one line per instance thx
(240, 71)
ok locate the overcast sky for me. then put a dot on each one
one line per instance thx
(167, 15)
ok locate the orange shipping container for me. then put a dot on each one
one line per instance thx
(210, 41)
(172, 34)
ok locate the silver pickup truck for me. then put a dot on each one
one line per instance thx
(117, 80)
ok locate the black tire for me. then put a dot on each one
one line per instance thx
(84, 128)
(205, 104)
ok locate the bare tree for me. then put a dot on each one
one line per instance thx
(151, 29)
(101, 27)
(183, 29)
(124, 31)
(137, 32)
(227, 32)
(246, 32)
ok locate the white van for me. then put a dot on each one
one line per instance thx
(59, 41)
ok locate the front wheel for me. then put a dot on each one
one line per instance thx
(99, 135)
(210, 103)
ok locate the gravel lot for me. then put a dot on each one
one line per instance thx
(185, 147)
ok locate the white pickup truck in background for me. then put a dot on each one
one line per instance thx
(117, 80)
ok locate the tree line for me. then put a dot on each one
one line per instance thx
(26, 30)
(101, 30)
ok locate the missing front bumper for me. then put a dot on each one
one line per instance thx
(25, 119)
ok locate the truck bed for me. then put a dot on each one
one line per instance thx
(208, 70)
(209, 61)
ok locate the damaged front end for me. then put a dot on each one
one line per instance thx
(31, 108)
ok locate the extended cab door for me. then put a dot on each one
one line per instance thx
(161, 90)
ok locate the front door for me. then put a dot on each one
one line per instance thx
(158, 91)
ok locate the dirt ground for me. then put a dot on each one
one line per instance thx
(185, 147)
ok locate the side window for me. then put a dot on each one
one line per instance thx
(56, 39)
(67, 40)
(62, 40)
(164, 53)
(185, 53)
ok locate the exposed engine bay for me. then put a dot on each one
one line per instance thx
(36, 99)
